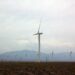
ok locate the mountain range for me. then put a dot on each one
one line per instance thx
(28, 55)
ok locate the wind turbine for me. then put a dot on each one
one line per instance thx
(52, 55)
(70, 54)
(39, 37)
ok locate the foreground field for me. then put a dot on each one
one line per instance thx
(34, 68)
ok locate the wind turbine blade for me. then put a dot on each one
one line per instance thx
(36, 34)
(39, 26)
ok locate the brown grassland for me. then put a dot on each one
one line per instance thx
(36, 68)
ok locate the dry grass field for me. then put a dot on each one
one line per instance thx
(35, 68)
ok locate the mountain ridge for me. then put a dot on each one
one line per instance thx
(28, 55)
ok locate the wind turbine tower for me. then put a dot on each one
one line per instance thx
(39, 39)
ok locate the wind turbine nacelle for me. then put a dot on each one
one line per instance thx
(38, 34)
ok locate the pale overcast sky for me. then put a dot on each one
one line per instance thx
(19, 20)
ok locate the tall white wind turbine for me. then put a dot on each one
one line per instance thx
(39, 40)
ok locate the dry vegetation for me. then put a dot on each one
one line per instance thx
(32, 68)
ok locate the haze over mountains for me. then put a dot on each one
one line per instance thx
(26, 55)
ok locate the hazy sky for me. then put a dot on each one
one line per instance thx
(19, 20)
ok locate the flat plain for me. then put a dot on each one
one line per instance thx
(37, 68)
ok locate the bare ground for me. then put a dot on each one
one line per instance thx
(35, 68)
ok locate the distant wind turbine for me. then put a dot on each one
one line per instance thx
(70, 54)
(52, 55)
(39, 35)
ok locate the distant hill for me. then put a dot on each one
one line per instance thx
(24, 55)
(27, 55)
